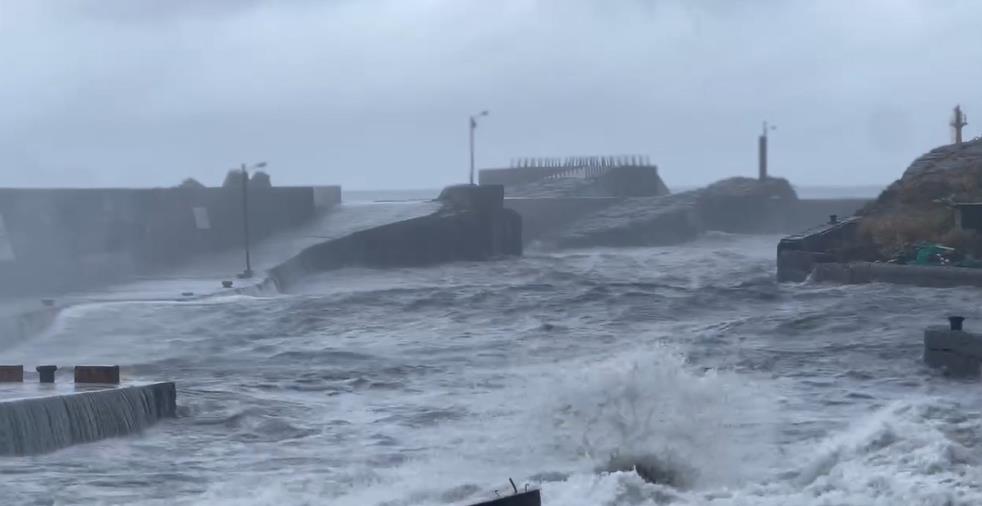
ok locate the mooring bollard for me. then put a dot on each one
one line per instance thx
(46, 373)
(833, 219)
(11, 373)
(955, 322)
(108, 374)
(957, 351)
(226, 284)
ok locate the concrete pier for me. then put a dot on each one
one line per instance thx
(43, 417)
(951, 348)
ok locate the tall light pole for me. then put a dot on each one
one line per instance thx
(762, 152)
(247, 273)
(473, 125)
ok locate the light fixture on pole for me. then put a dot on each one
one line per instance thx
(473, 126)
(247, 273)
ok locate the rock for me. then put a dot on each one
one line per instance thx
(917, 207)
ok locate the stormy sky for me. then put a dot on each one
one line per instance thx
(376, 93)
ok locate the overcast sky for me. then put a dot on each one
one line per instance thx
(376, 93)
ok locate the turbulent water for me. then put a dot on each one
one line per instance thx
(560, 370)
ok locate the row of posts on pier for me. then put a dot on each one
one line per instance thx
(104, 374)
(583, 161)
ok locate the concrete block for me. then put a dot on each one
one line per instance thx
(97, 374)
(37, 419)
(11, 373)
(957, 351)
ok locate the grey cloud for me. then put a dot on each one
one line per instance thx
(375, 93)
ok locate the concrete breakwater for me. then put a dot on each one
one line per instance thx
(465, 223)
(55, 240)
(44, 420)
(736, 205)
(822, 254)
(471, 225)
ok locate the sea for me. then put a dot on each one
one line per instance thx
(681, 375)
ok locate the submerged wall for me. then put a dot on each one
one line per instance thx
(472, 225)
(540, 217)
(43, 424)
(55, 240)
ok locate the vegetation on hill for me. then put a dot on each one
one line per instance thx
(917, 208)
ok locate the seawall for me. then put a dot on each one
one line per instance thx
(822, 255)
(56, 240)
(472, 225)
(44, 420)
(733, 206)
(917, 275)
(542, 216)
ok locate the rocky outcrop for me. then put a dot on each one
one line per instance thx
(917, 207)
(888, 232)
(471, 225)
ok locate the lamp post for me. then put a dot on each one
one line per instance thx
(473, 125)
(247, 273)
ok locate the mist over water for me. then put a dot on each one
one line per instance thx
(560, 370)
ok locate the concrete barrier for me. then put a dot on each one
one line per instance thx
(11, 373)
(37, 418)
(935, 276)
(97, 374)
(472, 225)
(956, 351)
(56, 240)
(543, 216)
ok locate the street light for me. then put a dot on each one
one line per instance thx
(473, 125)
(247, 273)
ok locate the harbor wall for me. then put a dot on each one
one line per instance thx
(822, 255)
(613, 181)
(42, 424)
(54, 240)
(542, 216)
(918, 275)
(472, 225)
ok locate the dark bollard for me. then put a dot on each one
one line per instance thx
(956, 322)
(108, 374)
(833, 219)
(47, 373)
(187, 294)
(11, 373)
(226, 284)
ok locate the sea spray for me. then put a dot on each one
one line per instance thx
(672, 423)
